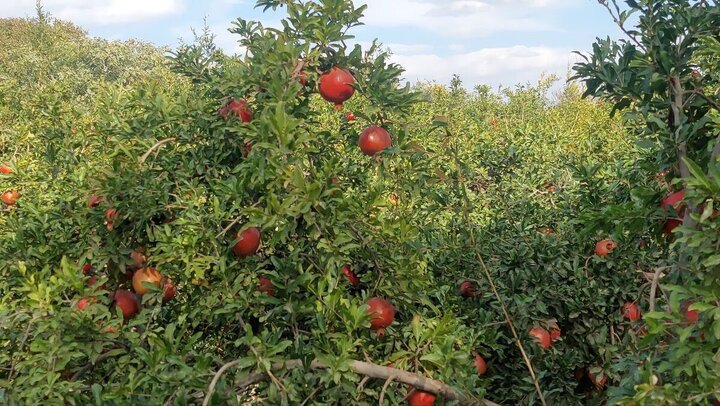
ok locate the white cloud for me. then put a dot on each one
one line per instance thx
(465, 18)
(93, 12)
(492, 66)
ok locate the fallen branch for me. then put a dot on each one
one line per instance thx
(362, 368)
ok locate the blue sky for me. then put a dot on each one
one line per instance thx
(495, 42)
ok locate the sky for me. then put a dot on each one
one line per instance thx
(493, 42)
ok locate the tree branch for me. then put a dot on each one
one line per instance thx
(153, 148)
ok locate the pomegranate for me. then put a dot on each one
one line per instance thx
(691, 316)
(480, 364)
(541, 337)
(554, 329)
(5, 170)
(247, 149)
(83, 303)
(127, 302)
(87, 269)
(239, 108)
(302, 77)
(10, 197)
(336, 86)
(675, 201)
(373, 140)
(467, 289)
(548, 231)
(419, 397)
(382, 314)
(350, 275)
(598, 382)
(265, 286)
(94, 201)
(138, 258)
(350, 116)
(247, 243)
(605, 247)
(169, 290)
(631, 311)
(149, 275)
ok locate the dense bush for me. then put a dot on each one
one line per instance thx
(122, 161)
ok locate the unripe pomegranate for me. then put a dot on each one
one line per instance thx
(382, 314)
(10, 197)
(149, 275)
(336, 86)
(541, 337)
(480, 365)
(5, 170)
(265, 286)
(239, 108)
(247, 243)
(419, 397)
(127, 302)
(350, 275)
(374, 140)
(631, 311)
(467, 289)
(605, 247)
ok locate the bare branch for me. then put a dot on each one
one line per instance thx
(153, 148)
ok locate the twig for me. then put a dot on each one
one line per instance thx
(653, 289)
(216, 378)
(310, 396)
(153, 148)
(225, 230)
(20, 348)
(89, 365)
(381, 399)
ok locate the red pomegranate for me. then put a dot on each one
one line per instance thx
(382, 314)
(83, 303)
(265, 286)
(138, 258)
(691, 316)
(480, 365)
(302, 77)
(169, 290)
(605, 247)
(149, 275)
(373, 140)
(87, 269)
(239, 108)
(467, 289)
(94, 201)
(631, 311)
(350, 275)
(10, 197)
(110, 215)
(247, 243)
(127, 302)
(336, 86)
(675, 201)
(350, 116)
(541, 337)
(419, 397)
(5, 170)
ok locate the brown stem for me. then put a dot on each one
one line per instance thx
(153, 148)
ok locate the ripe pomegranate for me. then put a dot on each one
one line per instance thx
(598, 382)
(675, 201)
(149, 275)
(10, 197)
(94, 201)
(605, 247)
(5, 170)
(265, 286)
(169, 290)
(247, 243)
(373, 140)
(548, 231)
(631, 311)
(127, 302)
(336, 86)
(691, 316)
(554, 329)
(480, 364)
(83, 303)
(382, 314)
(302, 77)
(350, 275)
(350, 116)
(419, 397)
(541, 337)
(467, 289)
(138, 258)
(87, 269)
(239, 108)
